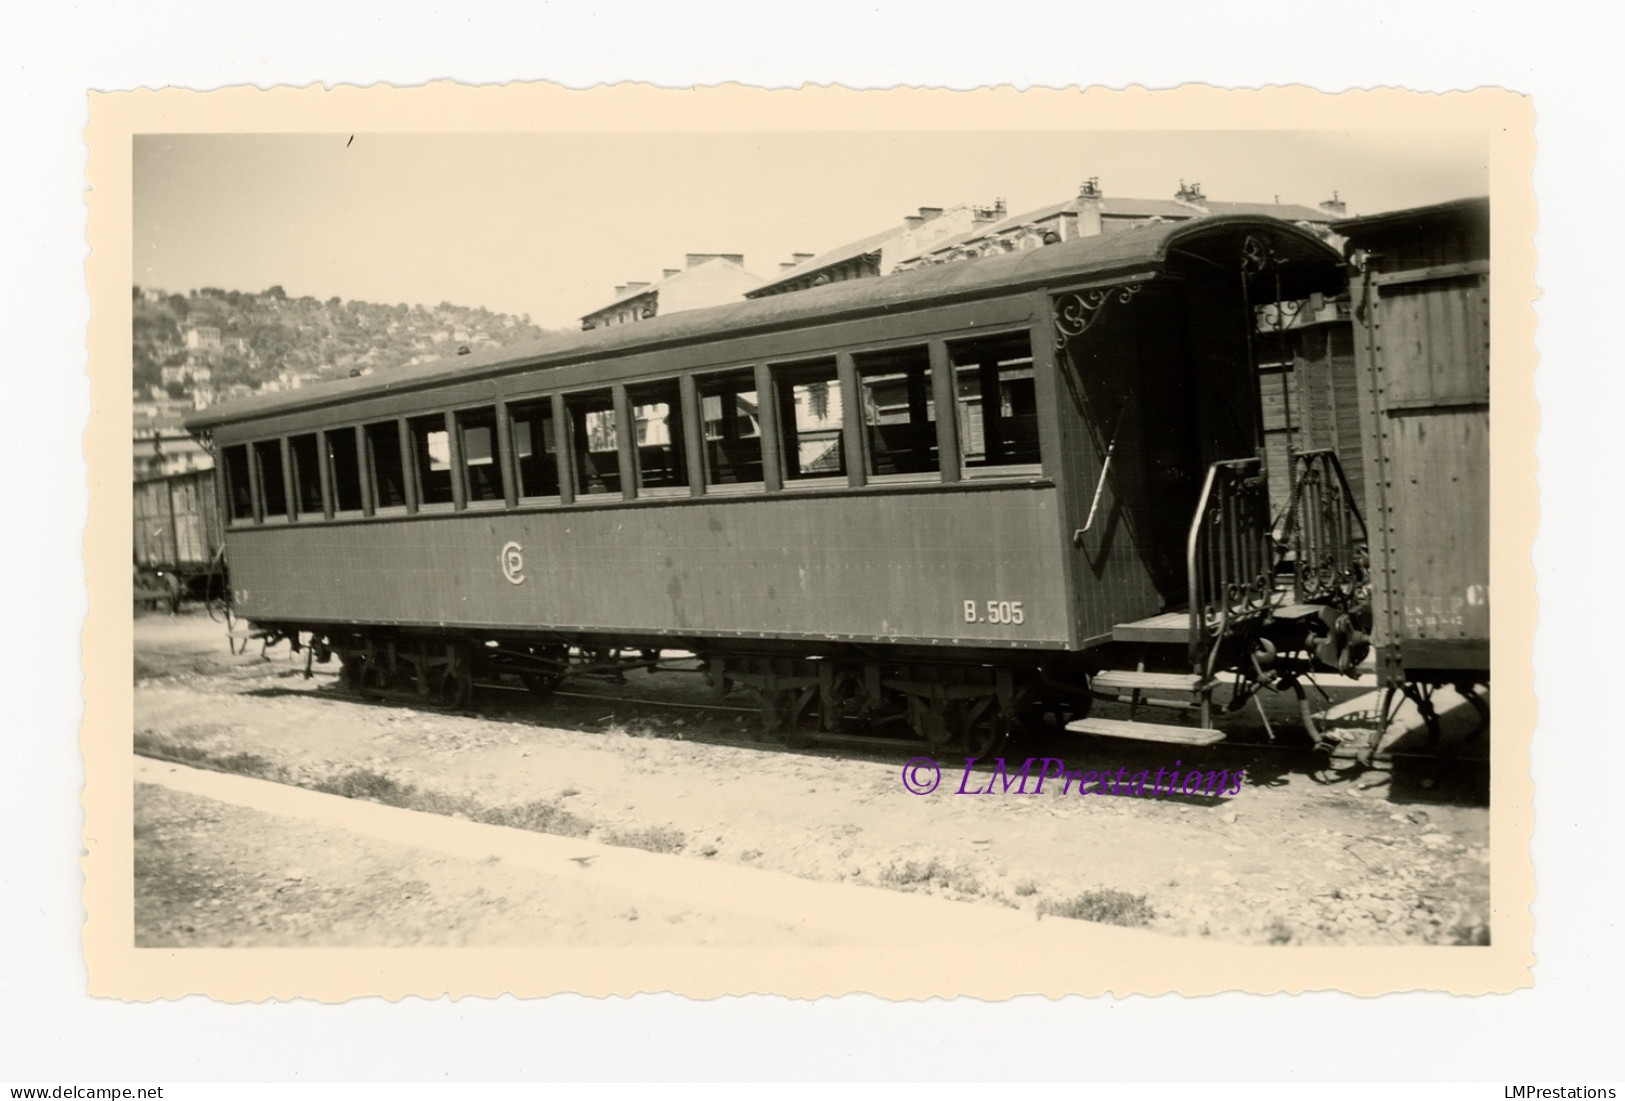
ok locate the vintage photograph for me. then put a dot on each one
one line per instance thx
(812, 539)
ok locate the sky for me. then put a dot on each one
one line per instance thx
(548, 224)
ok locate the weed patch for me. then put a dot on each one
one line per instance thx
(1107, 906)
(543, 817)
(933, 872)
(655, 839)
(148, 744)
(365, 783)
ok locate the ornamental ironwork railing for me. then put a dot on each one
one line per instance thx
(1229, 556)
(1326, 534)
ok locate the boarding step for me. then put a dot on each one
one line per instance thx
(1172, 627)
(1113, 681)
(1145, 732)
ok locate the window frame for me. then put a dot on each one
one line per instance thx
(1024, 469)
(785, 376)
(463, 482)
(355, 433)
(927, 374)
(276, 446)
(295, 468)
(931, 367)
(579, 446)
(370, 468)
(418, 487)
(553, 403)
(671, 394)
(230, 481)
(752, 375)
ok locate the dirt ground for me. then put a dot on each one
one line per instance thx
(211, 873)
(1392, 856)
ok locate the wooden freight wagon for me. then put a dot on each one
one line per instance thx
(1309, 390)
(1422, 349)
(176, 537)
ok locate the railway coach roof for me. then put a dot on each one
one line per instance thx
(1138, 252)
(1411, 218)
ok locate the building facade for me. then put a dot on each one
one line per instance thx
(706, 279)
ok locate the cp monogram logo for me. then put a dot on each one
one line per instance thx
(513, 563)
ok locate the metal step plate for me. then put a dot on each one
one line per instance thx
(1145, 732)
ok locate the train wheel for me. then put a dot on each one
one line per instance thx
(717, 679)
(371, 679)
(986, 736)
(797, 710)
(454, 687)
(542, 685)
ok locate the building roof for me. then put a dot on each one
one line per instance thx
(1118, 207)
(850, 251)
(1114, 206)
(654, 288)
(1140, 251)
(1477, 207)
(1291, 212)
(988, 229)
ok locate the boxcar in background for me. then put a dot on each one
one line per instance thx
(177, 535)
(1422, 352)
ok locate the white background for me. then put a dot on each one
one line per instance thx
(1563, 1031)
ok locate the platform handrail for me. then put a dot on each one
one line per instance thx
(1229, 555)
(1327, 534)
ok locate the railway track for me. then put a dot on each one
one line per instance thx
(1294, 754)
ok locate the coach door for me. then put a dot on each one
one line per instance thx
(1134, 462)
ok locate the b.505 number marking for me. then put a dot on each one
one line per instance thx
(995, 611)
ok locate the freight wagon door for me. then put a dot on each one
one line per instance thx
(1425, 338)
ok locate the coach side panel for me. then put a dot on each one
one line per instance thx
(956, 565)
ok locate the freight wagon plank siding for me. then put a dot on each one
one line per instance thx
(1422, 352)
(154, 543)
(882, 567)
(1441, 577)
(191, 532)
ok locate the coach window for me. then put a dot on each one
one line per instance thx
(431, 459)
(482, 472)
(595, 445)
(731, 421)
(810, 419)
(344, 471)
(307, 477)
(238, 487)
(657, 415)
(997, 404)
(535, 448)
(386, 466)
(273, 491)
(899, 412)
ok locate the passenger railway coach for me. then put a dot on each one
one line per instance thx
(955, 496)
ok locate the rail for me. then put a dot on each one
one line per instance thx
(1229, 556)
(1327, 535)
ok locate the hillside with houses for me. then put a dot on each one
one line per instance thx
(210, 345)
